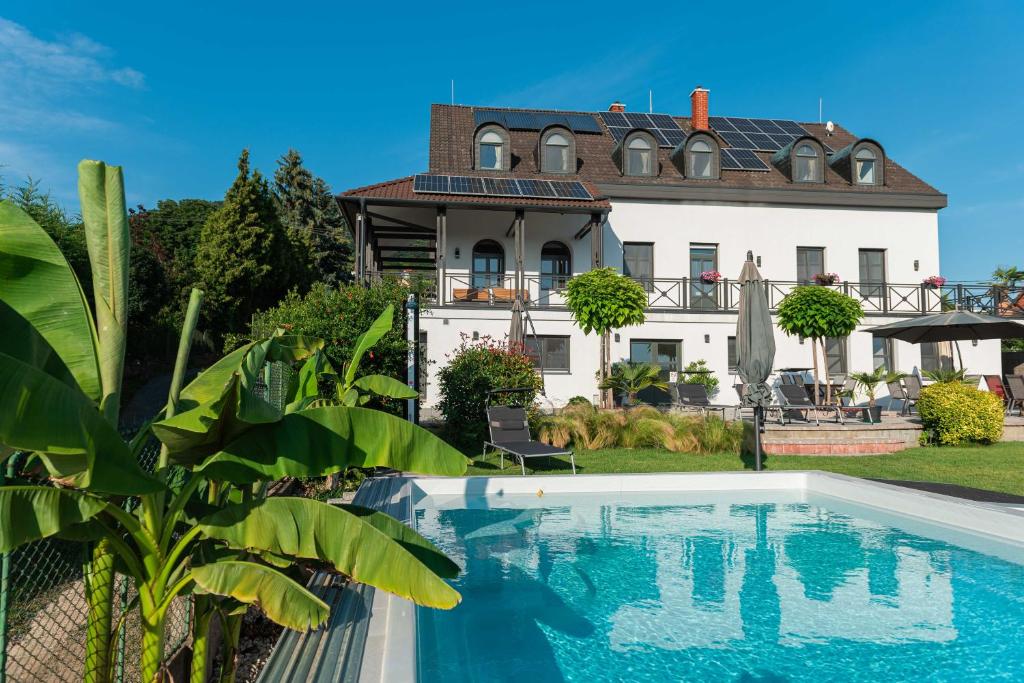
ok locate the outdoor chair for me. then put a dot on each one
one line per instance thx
(995, 385)
(795, 399)
(1015, 394)
(510, 433)
(913, 385)
(845, 399)
(695, 397)
(897, 393)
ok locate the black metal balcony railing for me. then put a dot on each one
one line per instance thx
(688, 294)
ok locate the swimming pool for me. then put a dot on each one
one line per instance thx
(718, 577)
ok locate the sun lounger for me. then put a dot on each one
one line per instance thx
(695, 397)
(795, 398)
(510, 433)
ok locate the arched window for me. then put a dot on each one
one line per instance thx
(807, 163)
(555, 266)
(492, 148)
(557, 154)
(697, 157)
(700, 159)
(488, 265)
(639, 156)
(864, 166)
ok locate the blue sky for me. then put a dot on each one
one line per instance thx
(174, 92)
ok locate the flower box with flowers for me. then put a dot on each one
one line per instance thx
(826, 278)
(710, 277)
(934, 281)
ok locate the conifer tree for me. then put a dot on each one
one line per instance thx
(245, 261)
(311, 214)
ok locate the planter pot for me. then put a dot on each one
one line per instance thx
(872, 414)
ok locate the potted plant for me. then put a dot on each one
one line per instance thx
(826, 278)
(710, 277)
(869, 381)
(628, 379)
(933, 281)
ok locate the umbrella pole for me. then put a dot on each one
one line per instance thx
(958, 355)
(757, 438)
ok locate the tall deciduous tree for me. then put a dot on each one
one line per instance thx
(311, 214)
(818, 313)
(601, 300)
(245, 261)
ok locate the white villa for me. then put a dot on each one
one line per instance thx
(521, 200)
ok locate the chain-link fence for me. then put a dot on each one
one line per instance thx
(43, 611)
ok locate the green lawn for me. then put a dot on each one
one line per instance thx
(998, 468)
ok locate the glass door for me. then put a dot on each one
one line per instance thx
(703, 295)
(872, 275)
(666, 354)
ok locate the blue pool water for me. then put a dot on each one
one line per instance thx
(717, 588)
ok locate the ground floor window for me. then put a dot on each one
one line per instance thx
(667, 354)
(733, 358)
(936, 356)
(883, 354)
(835, 355)
(549, 353)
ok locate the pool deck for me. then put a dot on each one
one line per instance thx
(371, 635)
(893, 434)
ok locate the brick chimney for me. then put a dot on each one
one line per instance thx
(617, 106)
(699, 108)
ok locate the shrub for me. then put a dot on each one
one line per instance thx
(579, 401)
(338, 315)
(955, 413)
(472, 370)
(697, 373)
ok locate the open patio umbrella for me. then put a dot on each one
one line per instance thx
(950, 326)
(755, 347)
(515, 330)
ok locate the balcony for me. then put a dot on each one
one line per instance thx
(685, 294)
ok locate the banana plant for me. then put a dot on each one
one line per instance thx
(60, 374)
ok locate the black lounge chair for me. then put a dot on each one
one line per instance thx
(510, 433)
(695, 396)
(913, 385)
(795, 399)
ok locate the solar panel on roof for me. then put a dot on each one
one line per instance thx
(741, 160)
(501, 187)
(662, 126)
(765, 135)
(530, 120)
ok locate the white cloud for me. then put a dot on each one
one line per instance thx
(41, 77)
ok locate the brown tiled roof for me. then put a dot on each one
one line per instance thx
(400, 190)
(451, 151)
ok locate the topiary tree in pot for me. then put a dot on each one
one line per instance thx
(602, 300)
(818, 313)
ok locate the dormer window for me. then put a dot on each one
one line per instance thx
(864, 166)
(806, 164)
(640, 158)
(700, 159)
(697, 157)
(557, 151)
(492, 149)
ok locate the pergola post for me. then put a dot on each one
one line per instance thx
(441, 251)
(596, 240)
(360, 250)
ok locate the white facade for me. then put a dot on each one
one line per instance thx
(773, 232)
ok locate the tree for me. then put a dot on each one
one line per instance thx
(631, 378)
(245, 261)
(601, 300)
(314, 220)
(203, 530)
(818, 313)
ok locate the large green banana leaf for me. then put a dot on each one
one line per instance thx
(22, 341)
(382, 385)
(281, 599)
(306, 528)
(209, 385)
(105, 220)
(37, 282)
(425, 551)
(29, 513)
(320, 441)
(365, 341)
(41, 413)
